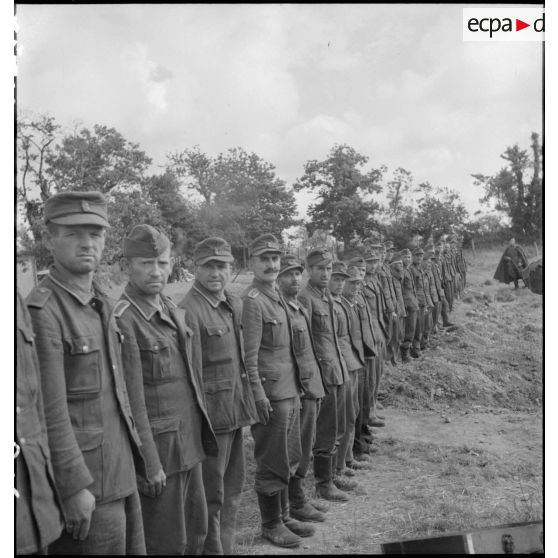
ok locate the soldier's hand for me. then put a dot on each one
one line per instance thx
(78, 510)
(157, 484)
(264, 408)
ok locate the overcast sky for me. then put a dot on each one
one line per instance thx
(396, 82)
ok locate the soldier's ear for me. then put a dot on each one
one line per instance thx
(125, 265)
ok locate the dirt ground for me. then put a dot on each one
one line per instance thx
(462, 445)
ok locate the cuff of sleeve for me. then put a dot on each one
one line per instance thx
(258, 391)
(74, 481)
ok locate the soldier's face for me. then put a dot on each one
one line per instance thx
(149, 275)
(266, 267)
(214, 275)
(290, 282)
(351, 288)
(320, 275)
(336, 284)
(407, 258)
(382, 257)
(77, 248)
(372, 266)
(417, 258)
(398, 267)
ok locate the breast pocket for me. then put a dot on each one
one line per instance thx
(321, 320)
(155, 360)
(271, 334)
(300, 339)
(82, 361)
(214, 341)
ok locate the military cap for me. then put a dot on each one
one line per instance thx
(418, 250)
(372, 255)
(339, 268)
(388, 245)
(320, 256)
(213, 248)
(290, 261)
(375, 247)
(353, 273)
(397, 260)
(266, 243)
(76, 208)
(404, 252)
(357, 261)
(145, 241)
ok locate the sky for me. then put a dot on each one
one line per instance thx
(396, 82)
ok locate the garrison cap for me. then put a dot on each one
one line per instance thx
(372, 256)
(353, 273)
(357, 261)
(417, 250)
(213, 248)
(263, 244)
(76, 208)
(340, 268)
(396, 260)
(375, 247)
(388, 245)
(320, 256)
(290, 261)
(404, 252)
(145, 241)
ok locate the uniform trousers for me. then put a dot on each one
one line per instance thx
(330, 427)
(176, 521)
(345, 450)
(448, 289)
(410, 326)
(392, 346)
(308, 414)
(376, 375)
(277, 446)
(116, 528)
(223, 480)
(436, 314)
(427, 327)
(417, 340)
(360, 445)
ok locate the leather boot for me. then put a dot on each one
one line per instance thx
(273, 528)
(358, 465)
(344, 484)
(322, 507)
(415, 353)
(405, 355)
(300, 507)
(324, 480)
(297, 527)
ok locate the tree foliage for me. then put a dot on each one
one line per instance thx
(517, 188)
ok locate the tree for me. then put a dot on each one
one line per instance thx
(397, 187)
(344, 191)
(513, 192)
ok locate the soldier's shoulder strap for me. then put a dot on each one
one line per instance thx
(38, 297)
(253, 293)
(120, 307)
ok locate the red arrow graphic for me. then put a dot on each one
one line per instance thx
(519, 25)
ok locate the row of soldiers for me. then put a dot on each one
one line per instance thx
(130, 414)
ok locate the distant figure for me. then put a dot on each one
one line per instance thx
(511, 265)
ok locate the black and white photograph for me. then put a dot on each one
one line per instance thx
(279, 282)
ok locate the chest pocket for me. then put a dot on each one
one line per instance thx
(272, 330)
(300, 341)
(82, 366)
(321, 320)
(155, 360)
(215, 335)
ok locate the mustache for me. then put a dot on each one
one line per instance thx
(271, 270)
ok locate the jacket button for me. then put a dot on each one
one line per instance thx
(22, 441)
(85, 348)
(156, 348)
(18, 410)
(114, 366)
(263, 379)
(243, 375)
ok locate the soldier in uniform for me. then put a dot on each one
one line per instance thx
(392, 318)
(411, 306)
(437, 281)
(214, 315)
(91, 433)
(397, 274)
(317, 301)
(418, 277)
(440, 263)
(276, 385)
(39, 520)
(374, 296)
(166, 396)
(431, 296)
(350, 343)
(289, 282)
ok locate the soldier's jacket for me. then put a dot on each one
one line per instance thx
(89, 420)
(270, 362)
(368, 340)
(347, 343)
(323, 328)
(384, 274)
(218, 355)
(39, 520)
(398, 288)
(409, 290)
(418, 278)
(374, 297)
(449, 265)
(304, 351)
(437, 276)
(428, 286)
(432, 290)
(166, 396)
(354, 330)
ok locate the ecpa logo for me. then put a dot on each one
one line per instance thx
(503, 24)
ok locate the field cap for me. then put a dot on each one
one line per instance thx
(372, 256)
(290, 261)
(418, 250)
(397, 260)
(404, 252)
(145, 241)
(388, 245)
(264, 244)
(340, 268)
(353, 273)
(357, 261)
(375, 247)
(213, 248)
(76, 208)
(320, 256)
